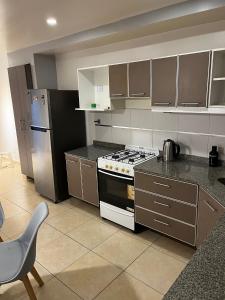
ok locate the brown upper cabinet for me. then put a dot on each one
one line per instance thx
(193, 79)
(164, 78)
(209, 212)
(139, 79)
(118, 81)
(20, 79)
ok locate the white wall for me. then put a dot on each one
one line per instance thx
(195, 133)
(8, 140)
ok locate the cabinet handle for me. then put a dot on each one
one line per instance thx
(117, 95)
(161, 184)
(87, 165)
(137, 94)
(73, 161)
(163, 204)
(161, 103)
(161, 222)
(189, 103)
(212, 208)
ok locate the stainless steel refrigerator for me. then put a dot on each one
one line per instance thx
(56, 127)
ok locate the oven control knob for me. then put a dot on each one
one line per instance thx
(117, 169)
(128, 171)
(110, 167)
(106, 166)
(123, 170)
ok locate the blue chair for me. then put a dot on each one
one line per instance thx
(1, 219)
(17, 257)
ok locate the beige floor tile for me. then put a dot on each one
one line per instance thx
(121, 249)
(10, 209)
(15, 225)
(56, 209)
(156, 269)
(68, 221)
(147, 236)
(56, 290)
(126, 287)
(92, 233)
(7, 185)
(47, 234)
(89, 275)
(174, 248)
(59, 254)
(82, 207)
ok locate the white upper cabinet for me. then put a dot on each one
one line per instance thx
(217, 83)
(93, 85)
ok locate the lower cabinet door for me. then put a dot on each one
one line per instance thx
(74, 177)
(89, 182)
(209, 212)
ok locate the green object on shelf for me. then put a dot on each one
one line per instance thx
(93, 105)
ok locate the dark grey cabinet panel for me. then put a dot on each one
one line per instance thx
(89, 182)
(118, 81)
(171, 227)
(193, 79)
(209, 211)
(167, 187)
(165, 206)
(139, 79)
(74, 177)
(20, 80)
(164, 76)
(82, 179)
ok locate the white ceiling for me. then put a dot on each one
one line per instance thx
(22, 22)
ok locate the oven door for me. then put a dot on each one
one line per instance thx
(116, 189)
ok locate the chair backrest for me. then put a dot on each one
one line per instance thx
(29, 237)
(1, 215)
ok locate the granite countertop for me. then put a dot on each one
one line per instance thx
(96, 150)
(204, 276)
(193, 170)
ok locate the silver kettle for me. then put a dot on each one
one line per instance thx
(171, 150)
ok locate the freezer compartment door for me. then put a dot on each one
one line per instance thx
(42, 162)
(40, 109)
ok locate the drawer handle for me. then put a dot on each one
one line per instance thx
(161, 103)
(137, 94)
(163, 204)
(87, 166)
(161, 184)
(117, 95)
(189, 103)
(161, 222)
(212, 208)
(73, 161)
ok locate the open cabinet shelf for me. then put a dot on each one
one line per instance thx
(94, 88)
(217, 84)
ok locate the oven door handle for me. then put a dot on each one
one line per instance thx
(117, 176)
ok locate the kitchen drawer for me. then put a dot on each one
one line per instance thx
(88, 162)
(72, 157)
(183, 191)
(167, 207)
(176, 229)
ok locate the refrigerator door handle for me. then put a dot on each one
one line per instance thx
(42, 129)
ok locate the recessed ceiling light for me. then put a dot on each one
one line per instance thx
(51, 21)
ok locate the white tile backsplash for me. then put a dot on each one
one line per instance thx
(217, 124)
(141, 118)
(121, 136)
(121, 117)
(103, 134)
(169, 125)
(164, 121)
(193, 123)
(141, 138)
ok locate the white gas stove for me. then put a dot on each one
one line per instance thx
(124, 161)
